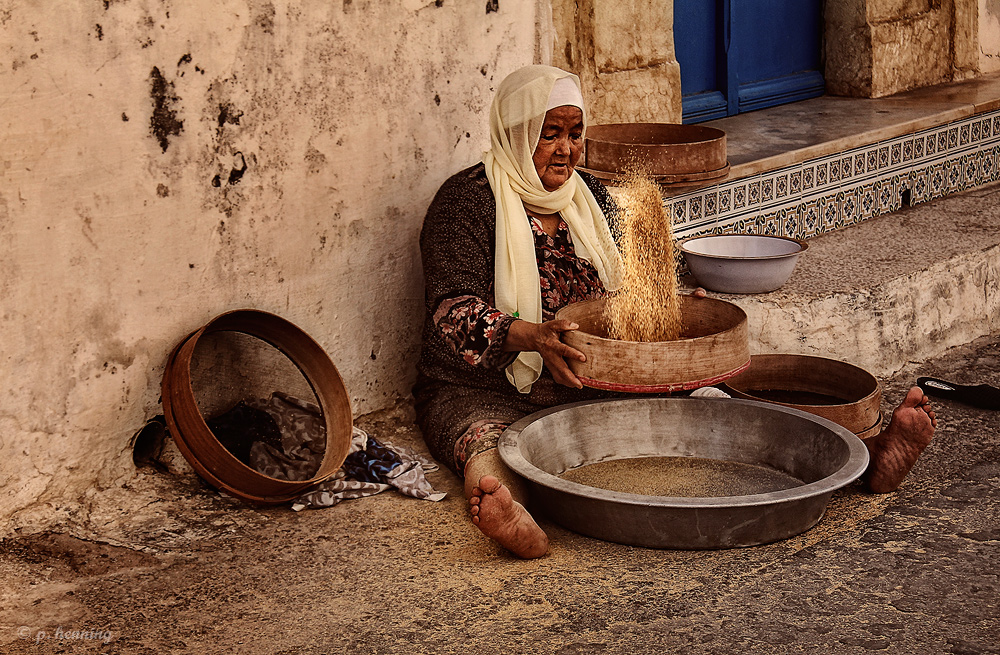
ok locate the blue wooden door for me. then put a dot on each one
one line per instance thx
(740, 55)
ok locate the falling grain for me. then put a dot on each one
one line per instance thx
(646, 307)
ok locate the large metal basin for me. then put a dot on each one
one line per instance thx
(820, 453)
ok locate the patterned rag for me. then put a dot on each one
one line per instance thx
(371, 466)
(300, 451)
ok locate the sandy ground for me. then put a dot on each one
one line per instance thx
(167, 565)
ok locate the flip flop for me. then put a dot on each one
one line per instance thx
(981, 395)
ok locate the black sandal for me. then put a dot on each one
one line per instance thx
(981, 395)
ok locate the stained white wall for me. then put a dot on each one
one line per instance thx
(989, 36)
(163, 162)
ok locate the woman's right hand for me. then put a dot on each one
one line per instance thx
(544, 338)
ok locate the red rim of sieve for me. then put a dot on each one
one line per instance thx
(206, 454)
(661, 388)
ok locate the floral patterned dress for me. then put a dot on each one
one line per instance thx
(462, 393)
(476, 330)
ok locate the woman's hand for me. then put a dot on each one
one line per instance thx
(543, 338)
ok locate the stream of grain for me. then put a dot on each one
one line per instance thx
(646, 307)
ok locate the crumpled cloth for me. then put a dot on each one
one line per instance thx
(243, 426)
(378, 466)
(371, 466)
(709, 392)
(300, 451)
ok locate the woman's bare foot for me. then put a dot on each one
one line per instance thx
(504, 520)
(895, 450)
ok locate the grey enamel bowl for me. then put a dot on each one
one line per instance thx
(741, 263)
(822, 455)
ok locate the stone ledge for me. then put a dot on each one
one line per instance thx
(786, 135)
(901, 288)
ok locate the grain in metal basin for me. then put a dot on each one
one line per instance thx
(821, 454)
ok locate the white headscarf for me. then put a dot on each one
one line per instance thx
(516, 120)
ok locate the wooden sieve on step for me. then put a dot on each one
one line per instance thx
(255, 330)
(843, 393)
(676, 156)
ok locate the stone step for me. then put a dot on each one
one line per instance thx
(892, 290)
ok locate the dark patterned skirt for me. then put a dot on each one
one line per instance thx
(458, 422)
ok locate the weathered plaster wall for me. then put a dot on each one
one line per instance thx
(965, 40)
(624, 55)
(911, 44)
(989, 36)
(876, 48)
(163, 162)
(847, 49)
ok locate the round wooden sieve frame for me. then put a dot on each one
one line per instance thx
(209, 458)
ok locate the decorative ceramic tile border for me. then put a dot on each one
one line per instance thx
(842, 189)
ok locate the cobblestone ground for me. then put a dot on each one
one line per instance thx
(166, 565)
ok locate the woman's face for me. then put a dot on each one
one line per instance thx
(559, 146)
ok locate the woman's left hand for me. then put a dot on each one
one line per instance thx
(544, 338)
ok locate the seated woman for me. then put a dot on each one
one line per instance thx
(506, 244)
